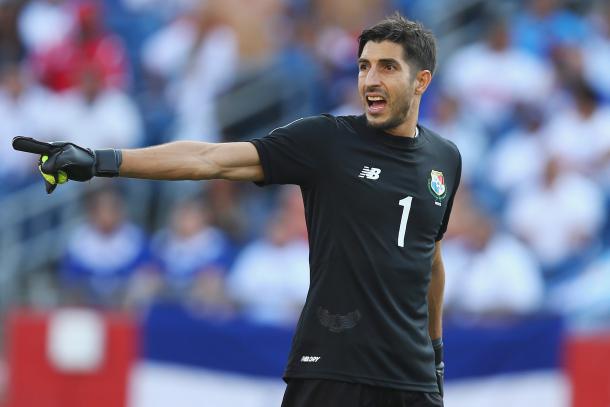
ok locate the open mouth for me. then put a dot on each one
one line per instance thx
(376, 103)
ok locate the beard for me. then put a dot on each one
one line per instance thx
(398, 115)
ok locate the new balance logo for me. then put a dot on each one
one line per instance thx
(310, 359)
(370, 173)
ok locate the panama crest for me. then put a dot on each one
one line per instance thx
(436, 184)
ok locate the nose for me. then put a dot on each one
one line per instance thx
(372, 78)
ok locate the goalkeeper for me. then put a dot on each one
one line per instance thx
(378, 191)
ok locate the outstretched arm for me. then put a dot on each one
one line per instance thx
(181, 160)
(192, 160)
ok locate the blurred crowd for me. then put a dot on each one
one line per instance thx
(526, 97)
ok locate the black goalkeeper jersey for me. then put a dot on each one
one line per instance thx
(375, 204)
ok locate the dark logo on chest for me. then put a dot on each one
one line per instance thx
(338, 323)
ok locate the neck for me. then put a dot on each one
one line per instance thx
(408, 127)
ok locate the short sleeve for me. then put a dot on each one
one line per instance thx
(458, 176)
(295, 153)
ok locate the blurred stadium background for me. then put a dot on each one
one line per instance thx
(146, 294)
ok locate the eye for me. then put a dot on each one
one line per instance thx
(362, 66)
(390, 67)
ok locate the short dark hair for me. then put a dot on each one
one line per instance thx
(583, 91)
(418, 42)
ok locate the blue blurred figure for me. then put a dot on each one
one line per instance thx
(104, 253)
(545, 25)
(194, 257)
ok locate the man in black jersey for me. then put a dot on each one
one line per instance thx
(378, 190)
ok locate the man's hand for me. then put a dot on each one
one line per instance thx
(61, 161)
(437, 344)
(51, 181)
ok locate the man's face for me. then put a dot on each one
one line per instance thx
(106, 212)
(385, 83)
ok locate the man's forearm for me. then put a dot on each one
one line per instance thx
(180, 160)
(435, 296)
(193, 160)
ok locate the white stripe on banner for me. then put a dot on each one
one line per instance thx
(166, 385)
(546, 388)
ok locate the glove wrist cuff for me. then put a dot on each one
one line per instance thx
(107, 162)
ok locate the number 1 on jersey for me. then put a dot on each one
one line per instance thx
(406, 208)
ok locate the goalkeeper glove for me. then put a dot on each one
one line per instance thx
(61, 161)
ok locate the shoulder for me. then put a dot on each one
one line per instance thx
(440, 143)
(318, 122)
(325, 121)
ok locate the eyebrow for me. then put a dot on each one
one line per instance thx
(381, 61)
(389, 61)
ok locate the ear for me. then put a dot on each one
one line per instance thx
(422, 80)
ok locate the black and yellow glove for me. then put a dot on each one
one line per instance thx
(437, 344)
(62, 161)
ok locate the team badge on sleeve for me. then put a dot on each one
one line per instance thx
(436, 184)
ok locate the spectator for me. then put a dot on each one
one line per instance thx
(11, 45)
(161, 8)
(490, 77)
(596, 51)
(297, 58)
(489, 272)
(579, 136)
(585, 298)
(338, 21)
(44, 24)
(335, 24)
(349, 100)
(157, 112)
(520, 157)
(531, 90)
(291, 205)
(544, 25)
(261, 66)
(97, 116)
(453, 123)
(271, 275)
(197, 55)
(60, 66)
(105, 252)
(559, 217)
(23, 110)
(569, 65)
(194, 257)
(226, 209)
(464, 204)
